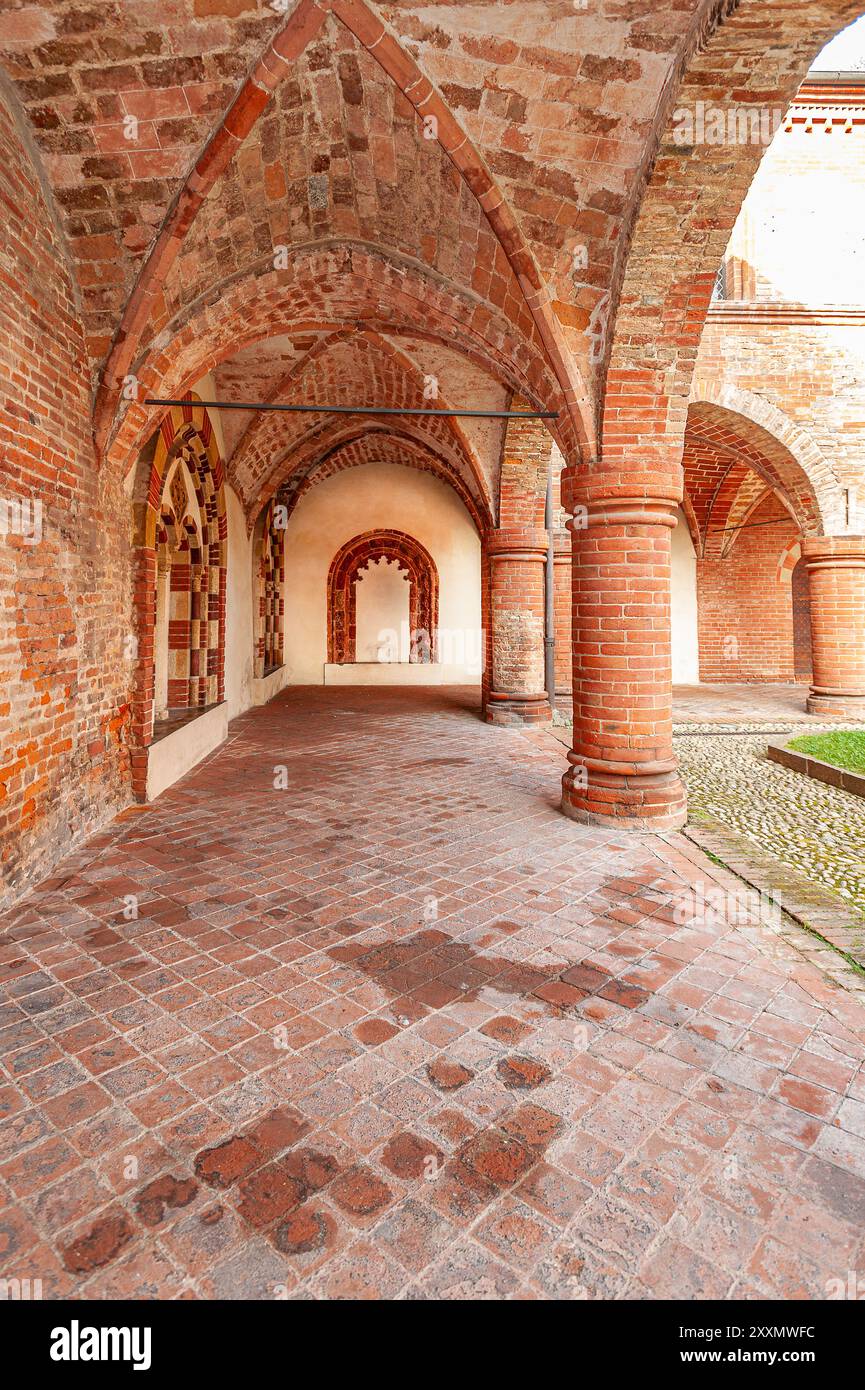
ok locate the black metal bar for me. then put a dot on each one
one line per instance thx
(362, 410)
(749, 526)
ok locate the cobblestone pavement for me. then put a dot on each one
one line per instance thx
(401, 1030)
(813, 828)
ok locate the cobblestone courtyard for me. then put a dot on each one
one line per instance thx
(814, 828)
(401, 1030)
(721, 739)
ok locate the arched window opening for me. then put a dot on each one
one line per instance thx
(178, 628)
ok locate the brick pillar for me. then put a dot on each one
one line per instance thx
(623, 770)
(836, 576)
(486, 625)
(516, 556)
(562, 613)
(141, 728)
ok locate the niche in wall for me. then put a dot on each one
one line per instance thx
(387, 563)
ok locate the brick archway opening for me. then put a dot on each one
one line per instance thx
(181, 582)
(356, 557)
(752, 500)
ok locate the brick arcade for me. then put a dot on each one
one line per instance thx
(413, 207)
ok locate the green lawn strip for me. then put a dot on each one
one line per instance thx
(843, 749)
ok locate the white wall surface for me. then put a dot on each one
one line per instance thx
(377, 496)
(170, 758)
(382, 607)
(686, 656)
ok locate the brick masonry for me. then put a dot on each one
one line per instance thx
(777, 404)
(516, 555)
(269, 592)
(836, 571)
(745, 604)
(64, 660)
(622, 764)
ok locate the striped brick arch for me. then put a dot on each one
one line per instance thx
(197, 585)
(268, 581)
(354, 557)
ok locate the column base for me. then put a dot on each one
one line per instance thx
(511, 711)
(642, 798)
(836, 704)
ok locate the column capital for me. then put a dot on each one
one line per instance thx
(624, 492)
(623, 511)
(517, 543)
(841, 552)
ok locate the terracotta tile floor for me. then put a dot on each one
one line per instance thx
(738, 704)
(401, 1030)
(743, 703)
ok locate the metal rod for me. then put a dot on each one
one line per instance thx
(361, 409)
(747, 526)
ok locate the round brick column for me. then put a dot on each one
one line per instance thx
(564, 656)
(836, 577)
(622, 767)
(517, 555)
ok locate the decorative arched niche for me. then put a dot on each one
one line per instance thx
(347, 567)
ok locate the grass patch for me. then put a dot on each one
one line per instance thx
(843, 749)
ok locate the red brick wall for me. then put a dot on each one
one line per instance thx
(745, 614)
(808, 365)
(64, 658)
(792, 354)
